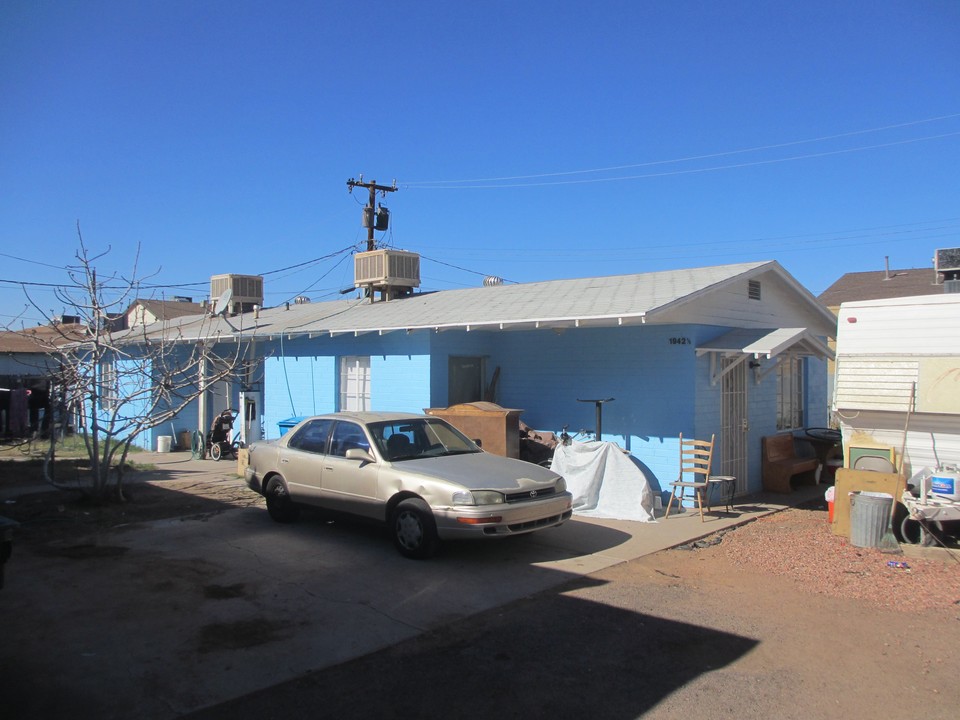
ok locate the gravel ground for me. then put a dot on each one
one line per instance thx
(798, 544)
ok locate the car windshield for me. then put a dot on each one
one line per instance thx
(419, 438)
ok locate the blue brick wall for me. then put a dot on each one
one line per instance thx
(661, 388)
(817, 402)
(652, 373)
(400, 383)
(294, 386)
(303, 378)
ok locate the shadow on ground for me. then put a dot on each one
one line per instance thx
(551, 655)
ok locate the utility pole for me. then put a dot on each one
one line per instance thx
(369, 211)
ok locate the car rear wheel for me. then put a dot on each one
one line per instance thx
(414, 529)
(279, 505)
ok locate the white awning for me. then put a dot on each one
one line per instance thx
(760, 344)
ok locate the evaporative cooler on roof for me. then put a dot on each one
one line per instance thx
(387, 270)
(246, 291)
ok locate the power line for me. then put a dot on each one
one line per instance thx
(423, 183)
(457, 267)
(620, 178)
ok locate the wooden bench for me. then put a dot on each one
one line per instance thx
(781, 464)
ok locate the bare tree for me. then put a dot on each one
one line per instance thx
(119, 383)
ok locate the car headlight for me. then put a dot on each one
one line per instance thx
(477, 497)
(561, 485)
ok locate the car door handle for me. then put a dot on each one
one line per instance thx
(283, 460)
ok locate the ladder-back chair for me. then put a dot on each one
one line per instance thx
(696, 457)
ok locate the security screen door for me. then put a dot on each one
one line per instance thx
(735, 425)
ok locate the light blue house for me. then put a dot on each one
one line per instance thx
(738, 351)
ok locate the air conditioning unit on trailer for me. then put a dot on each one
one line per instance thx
(245, 291)
(395, 272)
(947, 261)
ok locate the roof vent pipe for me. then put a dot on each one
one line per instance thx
(886, 272)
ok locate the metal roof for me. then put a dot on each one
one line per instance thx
(583, 302)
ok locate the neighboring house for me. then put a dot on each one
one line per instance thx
(898, 378)
(737, 351)
(27, 364)
(877, 285)
(147, 312)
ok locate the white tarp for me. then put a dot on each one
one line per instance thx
(604, 481)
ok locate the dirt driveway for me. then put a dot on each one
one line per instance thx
(680, 634)
(776, 619)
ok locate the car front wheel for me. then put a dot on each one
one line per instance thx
(279, 505)
(414, 529)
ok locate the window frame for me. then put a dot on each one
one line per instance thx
(109, 385)
(354, 383)
(791, 387)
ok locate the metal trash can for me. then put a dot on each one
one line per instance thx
(869, 517)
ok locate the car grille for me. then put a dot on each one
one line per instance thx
(528, 495)
(542, 522)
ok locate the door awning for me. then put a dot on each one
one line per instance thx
(761, 344)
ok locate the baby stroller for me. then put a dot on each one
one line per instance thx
(219, 442)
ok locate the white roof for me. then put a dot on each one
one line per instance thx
(767, 343)
(944, 299)
(584, 302)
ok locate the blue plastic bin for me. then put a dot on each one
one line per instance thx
(289, 423)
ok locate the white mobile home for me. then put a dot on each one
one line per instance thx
(898, 379)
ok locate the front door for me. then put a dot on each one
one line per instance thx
(465, 383)
(733, 431)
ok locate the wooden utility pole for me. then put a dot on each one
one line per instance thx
(374, 189)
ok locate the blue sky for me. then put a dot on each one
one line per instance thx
(529, 140)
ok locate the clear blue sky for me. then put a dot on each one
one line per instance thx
(633, 136)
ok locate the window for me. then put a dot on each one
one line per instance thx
(347, 436)
(312, 437)
(108, 386)
(354, 383)
(790, 414)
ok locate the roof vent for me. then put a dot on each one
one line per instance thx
(492, 280)
(301, 299)
(753, 289)
(393, 272)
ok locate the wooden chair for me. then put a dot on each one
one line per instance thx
(696, 456)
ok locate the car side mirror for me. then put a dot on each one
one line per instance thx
(359, 454)
(479, 442)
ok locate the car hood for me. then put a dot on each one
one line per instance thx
(480, 471)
